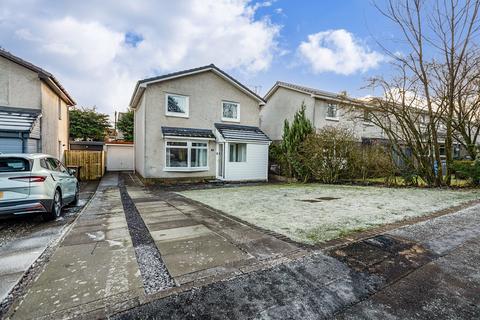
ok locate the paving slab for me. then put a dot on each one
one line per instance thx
(94, 263)
(182, 233)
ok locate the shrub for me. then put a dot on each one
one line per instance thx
(375, 161)
(467, 169)
(329, 155)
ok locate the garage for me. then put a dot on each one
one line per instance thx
(19, 130)
(119, 156)
(11, 145)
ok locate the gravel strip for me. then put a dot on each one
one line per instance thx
(154, 273)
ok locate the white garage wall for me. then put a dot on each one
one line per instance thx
(119, 157)
(255, 168)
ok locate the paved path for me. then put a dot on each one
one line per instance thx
(197, 243)
(93, 268)
(25, 239)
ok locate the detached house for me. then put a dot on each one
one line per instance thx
(33, 108)
(198, 124)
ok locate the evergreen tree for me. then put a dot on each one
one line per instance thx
(125, 124)
(293, 136)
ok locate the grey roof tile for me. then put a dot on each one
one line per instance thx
(241, 132)
(188, 132)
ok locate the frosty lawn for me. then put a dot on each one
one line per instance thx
(304, 213)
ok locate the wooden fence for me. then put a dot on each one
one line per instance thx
(91, 163)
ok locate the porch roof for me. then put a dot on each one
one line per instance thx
(187, 132)
(235, 132)
(17, 120)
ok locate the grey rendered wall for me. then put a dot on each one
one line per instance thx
(283, 104)
(206, 91)
(139, 137)
(348, 118)
(19, 87)
(54, 132)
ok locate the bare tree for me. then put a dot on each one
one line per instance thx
(430, 80)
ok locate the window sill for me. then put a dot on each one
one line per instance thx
(230, 120)
(183, 169)
(176, 115)
(332, 119)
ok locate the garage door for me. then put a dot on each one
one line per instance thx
(119, 157)
(10, 145)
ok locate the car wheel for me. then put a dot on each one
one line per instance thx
(56, 207)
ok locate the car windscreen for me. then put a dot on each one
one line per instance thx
(13, 164)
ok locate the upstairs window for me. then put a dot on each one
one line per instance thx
(230, 111)
(238, 152)
(332, 112)
(367, 116)
(176, 105)
(59, 109)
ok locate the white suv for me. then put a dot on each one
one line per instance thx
(35, 183)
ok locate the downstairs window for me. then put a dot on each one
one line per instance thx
(186, 155)
(238, 152)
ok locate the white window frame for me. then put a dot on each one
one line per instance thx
(189, 147)
(177, 114)
(238, 112)
(229, 152)
(336, 118)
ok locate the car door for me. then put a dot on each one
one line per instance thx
(69, 180)
(59, 176)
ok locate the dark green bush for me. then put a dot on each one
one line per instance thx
(467, 169)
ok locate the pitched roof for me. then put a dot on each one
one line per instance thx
(44, 75)
(211, 67)
(240, 132)
(187, 132)
(314, 92)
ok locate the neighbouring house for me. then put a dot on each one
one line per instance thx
(198, 124)
(33, 109)
(323, 109)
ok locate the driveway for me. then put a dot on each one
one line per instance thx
(131, 246)
(24, 241)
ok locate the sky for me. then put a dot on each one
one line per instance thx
(99, 49)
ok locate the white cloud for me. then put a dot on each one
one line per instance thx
(83, 42)
(338, 51)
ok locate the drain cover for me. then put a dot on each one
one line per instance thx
(327, 198)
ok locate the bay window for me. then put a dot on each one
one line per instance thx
(186, 155)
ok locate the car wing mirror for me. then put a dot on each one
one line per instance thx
(72, 172)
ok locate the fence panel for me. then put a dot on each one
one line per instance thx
(91, 163)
